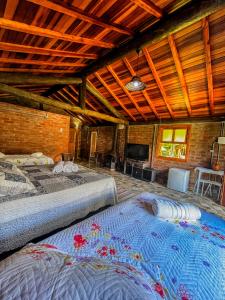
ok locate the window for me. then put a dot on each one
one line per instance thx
(173, 142)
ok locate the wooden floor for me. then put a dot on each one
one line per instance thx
(128, 187)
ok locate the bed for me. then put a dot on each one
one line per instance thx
(27, 159)
(57, 201)
(179, 260)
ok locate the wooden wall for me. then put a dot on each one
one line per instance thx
(25, 130)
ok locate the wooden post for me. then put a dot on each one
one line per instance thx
(82, 93)
(44, 100)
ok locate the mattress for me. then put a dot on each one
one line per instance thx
(28, 160)
(186, 260)
(60, 199)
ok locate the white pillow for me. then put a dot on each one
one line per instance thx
(2, 155)
(15, 182)
(2, 176)
(37, 154)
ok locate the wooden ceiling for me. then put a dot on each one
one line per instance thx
(184, 72)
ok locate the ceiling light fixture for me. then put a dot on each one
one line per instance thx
(136, 84)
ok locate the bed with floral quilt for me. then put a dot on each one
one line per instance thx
(34, 201)
(167, 259)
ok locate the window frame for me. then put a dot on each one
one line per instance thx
(187, 141)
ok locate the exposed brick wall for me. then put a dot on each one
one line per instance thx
(141, 134)
(201, 139)
(25, 130)
(104, 139)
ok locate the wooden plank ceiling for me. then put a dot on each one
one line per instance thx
(184, 73)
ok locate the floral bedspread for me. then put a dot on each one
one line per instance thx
(185, 260)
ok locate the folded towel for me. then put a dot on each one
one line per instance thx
(167, 209)
(58, 168)
(69, 167)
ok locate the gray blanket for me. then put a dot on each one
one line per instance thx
(60, 199)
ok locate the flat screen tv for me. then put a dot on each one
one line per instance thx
(138, 152)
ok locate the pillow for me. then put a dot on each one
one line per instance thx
(10, 188)
(37, 154)
(42, 272)
(13, 175)
(2, 176)
(2, 155)
(15, 182)
(7, 165)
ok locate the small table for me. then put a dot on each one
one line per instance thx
(67, 157)
(205, 171)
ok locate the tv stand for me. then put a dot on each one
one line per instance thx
(139, 170)
(135, 163)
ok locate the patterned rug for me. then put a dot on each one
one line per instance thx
(128, 187)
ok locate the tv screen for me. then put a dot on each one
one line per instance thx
(138, 152)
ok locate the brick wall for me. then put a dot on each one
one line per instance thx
(201, 139)
(104, 139)
(141, 134)
(25, 130)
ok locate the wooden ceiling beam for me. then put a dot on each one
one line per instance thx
(212, 119)
(85, 119)
(97, 106)
(158, 80)
(31, 70)
(73, 96)
(35, 30)
(114, 95)
(208, 60)
(68, 100)
(74, 12)
(119, 82)
(185, 16)
(65, 90)
(44, 100)
(7, 60)
(91, 88)
(67, 111)
(149, 7)
(145, 94)
(17, 78)
(10, 8)
(44, 51)
(180, 72)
